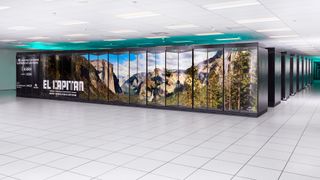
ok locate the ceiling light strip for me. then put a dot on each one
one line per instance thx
(257, 20)
(232, 4)
(229, 39)
(137, 15)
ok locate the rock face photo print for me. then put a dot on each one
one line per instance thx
(156, 78)
(208, 79)
(101, 77)
(136, 84)
(179, 78)
(120, 63)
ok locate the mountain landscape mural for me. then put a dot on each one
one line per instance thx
(172, 85)
(214, 79)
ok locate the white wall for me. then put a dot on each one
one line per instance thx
(7, 69)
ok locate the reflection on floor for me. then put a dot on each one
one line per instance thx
(57, 140)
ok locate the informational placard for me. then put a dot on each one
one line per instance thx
(51, 77)
(63, 88)
(27, 75)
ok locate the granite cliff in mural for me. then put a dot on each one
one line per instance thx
(156, 86)
(208, 82)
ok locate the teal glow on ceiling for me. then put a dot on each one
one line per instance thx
(142, 42)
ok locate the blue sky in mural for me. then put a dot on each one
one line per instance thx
(133, 57)
(123, 58)
(113, 58)
(85, 56)
(103, 57)
(120, 58)
(157, 60)
(93, 57)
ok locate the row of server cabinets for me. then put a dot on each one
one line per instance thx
(288, 74)
(226, 79)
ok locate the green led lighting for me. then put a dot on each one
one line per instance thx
(315, 58)
(144, 42)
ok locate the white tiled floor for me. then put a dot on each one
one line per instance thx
(57, 140)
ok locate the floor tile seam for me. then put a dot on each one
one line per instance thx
(303, 154)
(292, 115)
(46, 164)
(248, 165)
(53, 150)
(306, 126)
(12, 175)
(307, 164)
(28, 127)
(202, 142)
(153, 149)
(248, 132)
(142, 156)
(234, 125)
(64, 171)
(296, 173)
(74, 172)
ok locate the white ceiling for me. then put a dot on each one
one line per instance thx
(92, 20)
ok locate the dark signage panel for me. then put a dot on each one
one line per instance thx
(27, 75)
(57, 76)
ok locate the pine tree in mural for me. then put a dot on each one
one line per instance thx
(235, 83)
(240, 82)
(185, 95)
(245, 95)
(228, 83)
(215, 93)
(200, 91)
